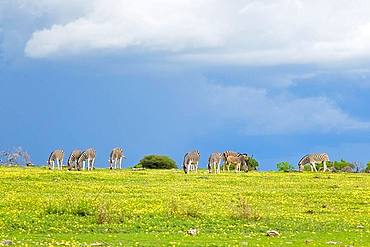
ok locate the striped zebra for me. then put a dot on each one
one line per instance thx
(191, 161)
(56, 156)
(88, 156)
(73, 158)
(238, 159)
(214, 162)
(115, 158)
(314, 159)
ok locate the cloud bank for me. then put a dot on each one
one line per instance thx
(258, 112)
(213, 31)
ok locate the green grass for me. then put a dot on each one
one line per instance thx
(146, 208)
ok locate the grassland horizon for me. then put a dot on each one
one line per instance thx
(157, 207)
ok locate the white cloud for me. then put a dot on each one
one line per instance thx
(261, 113)
(220, 31)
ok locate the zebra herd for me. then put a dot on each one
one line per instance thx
(240, 160)
(78, 159)
(191, 161)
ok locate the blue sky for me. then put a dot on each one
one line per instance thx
(276, 79)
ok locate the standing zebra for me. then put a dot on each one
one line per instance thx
(313, 159)
(191, 161)
(237, 159)
(214, 162)
(56, 156)
(73, 158)
(87, 156)
(116, 157)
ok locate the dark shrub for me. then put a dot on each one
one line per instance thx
(156, 162)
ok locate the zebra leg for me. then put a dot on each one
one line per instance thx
(53, 164)
(92, 163)
(83, 165)
(120, 163)
(325, 168)
(196, 167)
(314, 166)
(218, 167)
(61, 164)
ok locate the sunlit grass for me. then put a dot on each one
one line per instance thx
(38, 206)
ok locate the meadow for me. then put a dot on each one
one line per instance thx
(39, 207)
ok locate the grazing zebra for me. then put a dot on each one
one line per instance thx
(227, 154)
(116, 157)
(214, 162)
(237, 159)
(191, 161)
(87, 156)
(313, 159)
(73, 158)
(56, 156)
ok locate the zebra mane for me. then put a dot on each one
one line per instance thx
(50, 155)
(304, 157)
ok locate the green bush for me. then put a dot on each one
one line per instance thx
(284, 167)
(339, 165)
(252, 164)
(367, 168)
(156, 162)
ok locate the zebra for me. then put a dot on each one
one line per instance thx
(227, 154)
(191, 161)
(214, 162)
(116, 157)
(88, 155)
(56, 156)
(73, 158)
(238, 159)
(313, 159)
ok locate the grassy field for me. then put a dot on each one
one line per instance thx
(147, 208)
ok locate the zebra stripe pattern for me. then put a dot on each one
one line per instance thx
(314, 159)
(56, 156)
(88, 156)
(73, 158)
(191, 161)
(116, 157)
(214, 162)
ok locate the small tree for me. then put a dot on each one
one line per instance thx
(341, 165)
(156, 162)
(284, 166)
(252, 164)
(367, 168)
